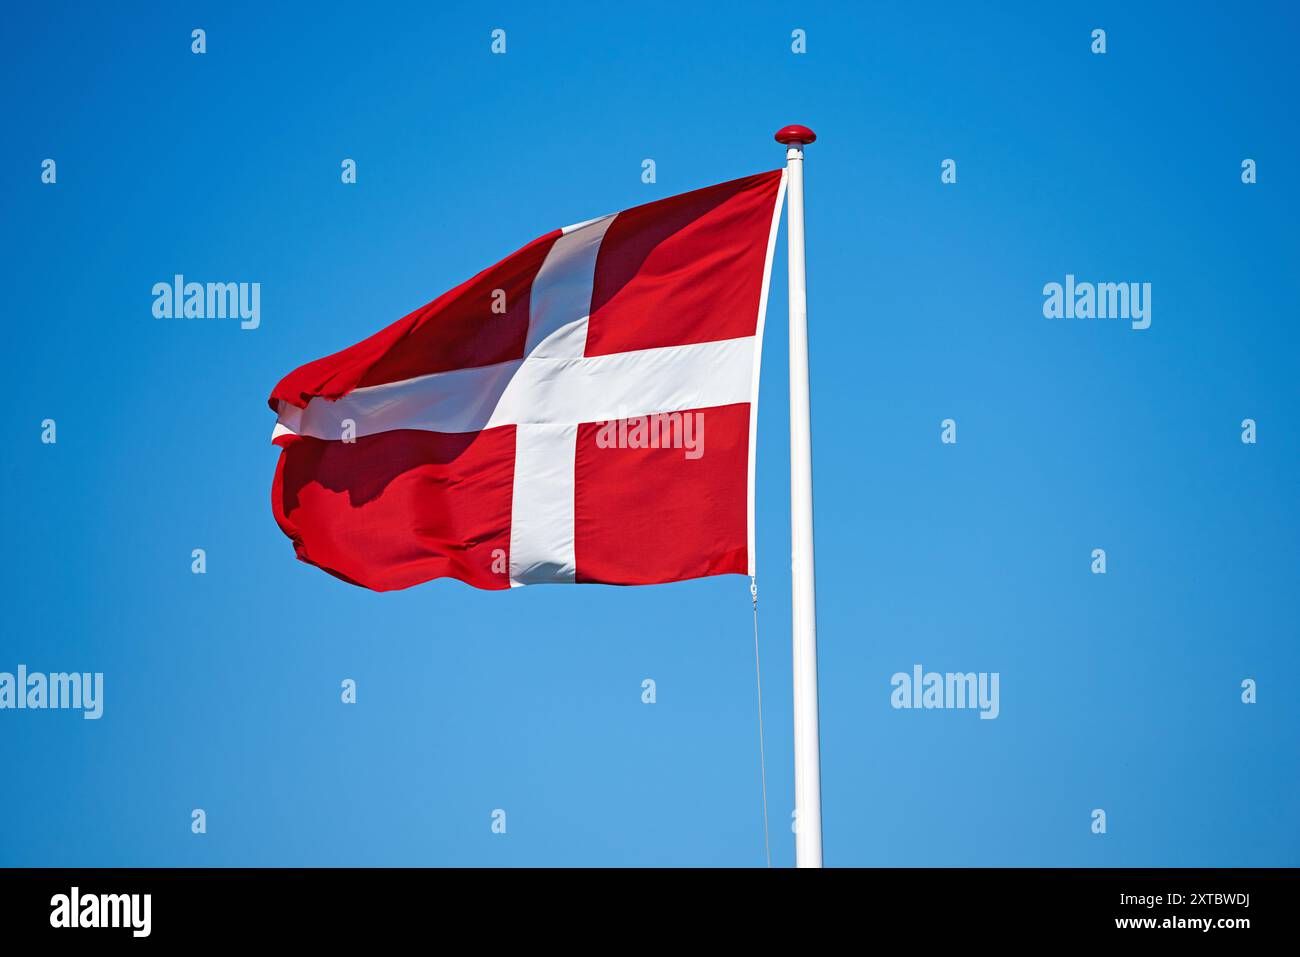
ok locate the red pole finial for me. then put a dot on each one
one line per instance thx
(796, 134)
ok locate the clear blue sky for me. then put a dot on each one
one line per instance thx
(1119, 692)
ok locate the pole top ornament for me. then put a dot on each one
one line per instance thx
(796, 134)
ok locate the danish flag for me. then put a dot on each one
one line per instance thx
(583, 411)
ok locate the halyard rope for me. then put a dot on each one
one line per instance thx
(762, 757)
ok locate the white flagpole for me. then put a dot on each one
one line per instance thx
(807, 747)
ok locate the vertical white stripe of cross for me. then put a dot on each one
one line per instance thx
(542, 520)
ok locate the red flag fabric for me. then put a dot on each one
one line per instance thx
(583, 411)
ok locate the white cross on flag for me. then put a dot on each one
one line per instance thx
(583, 411)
